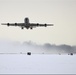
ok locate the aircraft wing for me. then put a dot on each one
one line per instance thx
(13, 24)
(37, 24)
(30, 25)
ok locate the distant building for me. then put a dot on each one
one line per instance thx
(28, 53)
(71, 53)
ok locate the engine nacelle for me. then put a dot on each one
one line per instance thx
(37, 24)
(15, 24)
(7, 24)
(45, 24)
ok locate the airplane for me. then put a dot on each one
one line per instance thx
(27, 24)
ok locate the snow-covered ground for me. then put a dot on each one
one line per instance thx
(45, 59)
(37, 64)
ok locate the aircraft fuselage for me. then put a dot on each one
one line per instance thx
(26, 21)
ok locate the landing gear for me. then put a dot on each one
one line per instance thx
(22, 27)
(31, 28)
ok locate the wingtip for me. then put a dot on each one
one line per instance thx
(3, 23)
(51, 24)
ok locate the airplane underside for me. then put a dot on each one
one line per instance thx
(27, 27)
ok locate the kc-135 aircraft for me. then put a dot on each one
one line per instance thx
(27, 24)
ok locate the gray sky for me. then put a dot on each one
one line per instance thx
(62, 13)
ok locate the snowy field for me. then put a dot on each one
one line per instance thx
(37, 64)
(45, 59)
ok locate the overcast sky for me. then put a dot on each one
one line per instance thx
(62, 13)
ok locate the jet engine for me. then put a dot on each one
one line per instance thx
(37, 24)
(15, 24)
(45, 24)
(7, 24)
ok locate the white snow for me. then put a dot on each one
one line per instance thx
(45, 59)
(37, 64)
